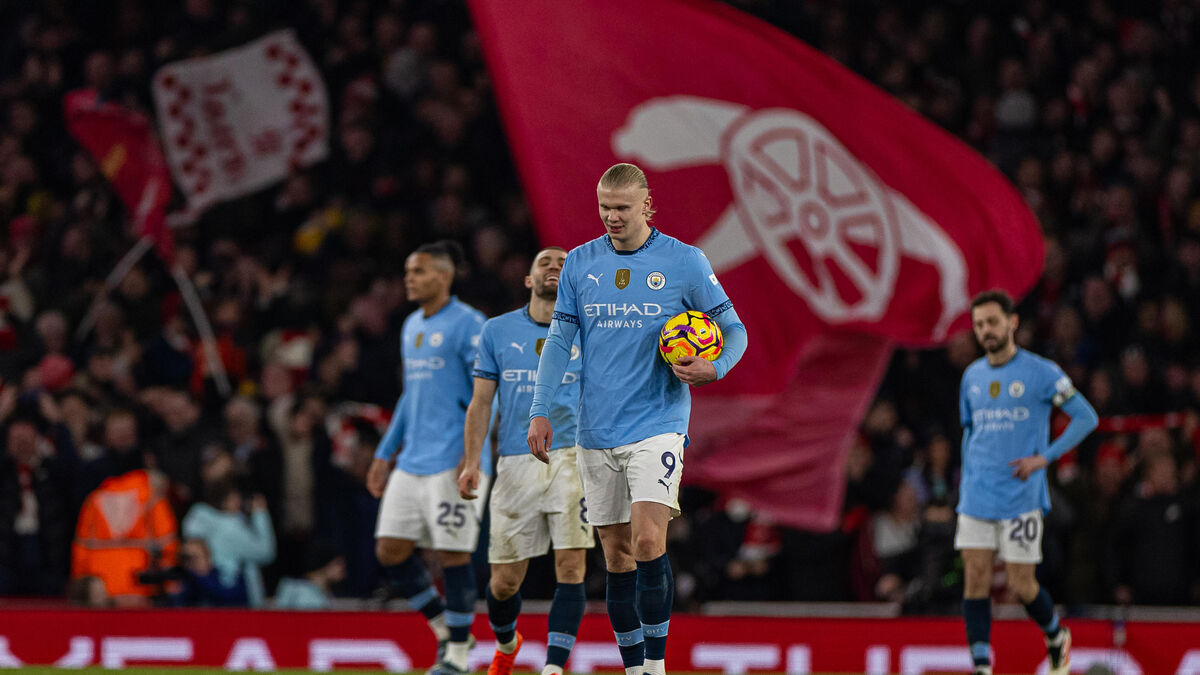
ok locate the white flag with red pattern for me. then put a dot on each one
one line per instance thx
(238, 121)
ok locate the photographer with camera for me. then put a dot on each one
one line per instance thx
(201, 583)
(238, 544)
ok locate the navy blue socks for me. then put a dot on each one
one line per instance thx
(565, 614)
(655, 595)
(413, 583)
(460, 601)
(502, 614)
(623, 614)
(1041, 610)
(977, 613)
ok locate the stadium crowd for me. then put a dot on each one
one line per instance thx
(1093, 111)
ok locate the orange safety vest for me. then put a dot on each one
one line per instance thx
(121, 524)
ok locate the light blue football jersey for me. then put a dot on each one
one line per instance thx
(620, 300)
(509, 347)
(439, 357)
(1005, 412)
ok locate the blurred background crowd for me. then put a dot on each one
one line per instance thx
(1092, 110)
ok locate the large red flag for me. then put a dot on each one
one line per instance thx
(839, 221)
(125, 146)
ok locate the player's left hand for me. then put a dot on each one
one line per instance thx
(468, 481)
(694, 370)
(1025, 467)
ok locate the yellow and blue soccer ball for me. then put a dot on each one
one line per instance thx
(690, 333)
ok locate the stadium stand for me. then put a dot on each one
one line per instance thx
(1092, 110)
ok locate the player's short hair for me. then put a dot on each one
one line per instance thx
(541, 251)
(626, 175)
(447, 250)
(997, 296)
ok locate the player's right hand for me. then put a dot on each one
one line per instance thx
(377, 476)
(468, 481)
(539, 438)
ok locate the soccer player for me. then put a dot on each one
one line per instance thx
(533, 505)
(616, 291)
(1005, 403)
(421, 506)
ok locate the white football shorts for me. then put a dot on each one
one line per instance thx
(428, 510)
(1019, 540)
(645, 471)
(536, 506)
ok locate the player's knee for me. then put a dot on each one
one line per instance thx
(504, 586)
(977, 580)
(1026, 589)
(569, 569)
(648, 545)
(391, 552)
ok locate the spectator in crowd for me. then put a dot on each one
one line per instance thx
(201, 584)
(1095, 499)
(120, 452)
(36, 512)
(239, 544)
(894, 537)
(1153, 541)
(323, 568)
(179, 451)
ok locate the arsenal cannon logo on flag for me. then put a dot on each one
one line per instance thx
(839, 221)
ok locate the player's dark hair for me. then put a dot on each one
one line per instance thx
(997, 296)
(446, 249)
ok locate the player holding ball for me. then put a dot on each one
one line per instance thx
(615, 293)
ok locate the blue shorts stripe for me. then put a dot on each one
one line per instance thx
(456, 619)
(561, 640)
(423, 598)
(629, 638)
(656, 630)
(504, 629)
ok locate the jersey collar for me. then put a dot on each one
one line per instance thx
(453, 301)
(1015, 355)
(530, 316)
(646, 244)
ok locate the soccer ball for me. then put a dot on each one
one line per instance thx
(690, 334)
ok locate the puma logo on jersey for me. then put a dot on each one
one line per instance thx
(595, 278)
(518, 347)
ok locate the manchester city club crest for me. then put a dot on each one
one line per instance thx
(994, 389)
(1016, 388)
(622, 278)
(656, 281)
(435, 340)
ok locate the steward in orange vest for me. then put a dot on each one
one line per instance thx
(125, 528)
